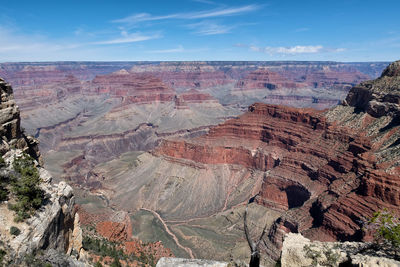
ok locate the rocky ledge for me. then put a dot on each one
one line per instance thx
(54, 228)
(300, 251)
(380, 97)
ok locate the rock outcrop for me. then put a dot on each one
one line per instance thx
(10, 129)
(54, 226)
(380, 97)
(300, 251)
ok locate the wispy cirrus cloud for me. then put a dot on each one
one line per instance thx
(179, 49)
(172, 50)
(207, 2)
(30, 43)
(128, 38)
(298, 49)
(33, 47)
(218, 12)
(292, 50)
(209, 28)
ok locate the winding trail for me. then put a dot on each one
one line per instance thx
(188, 250)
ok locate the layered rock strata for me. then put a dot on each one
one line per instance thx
(10, 128)
(132, 88)
(326, 171)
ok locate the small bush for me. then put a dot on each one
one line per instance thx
(3, 164)
(324, 256)
(116, 262)
(3, 193)
(25, 186)
(387, 228)
(2, 254)
(31, 260)
(15, 231)
(3, 181)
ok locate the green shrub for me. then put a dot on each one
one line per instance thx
(102, 247)
(31, 261)
(15, 231)
(3, 182)
(2, 254)
(325, 256)
(387, 229)
(116, 262)
(3, 164)
(25, 186)
(3, 193)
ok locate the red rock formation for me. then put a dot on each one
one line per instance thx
(334, 79)
(216, 154)
(266, 79)
(115, 231)
(180, 103)
(156, 249)
(36, 76)
(186, 74)
(327, 171)
(194, 96)
(325, 77)
(40, 85)
(117, 227)
(132, 88)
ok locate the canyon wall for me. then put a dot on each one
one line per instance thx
(143, 135)
(330, 170)
(54, 226)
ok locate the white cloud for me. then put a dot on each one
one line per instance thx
(173, 50)
(143, 17)
(128, 38)
(20, 46)
(17, 42)
(222, 12)
(292, 50)
(205, 2)
(219, 12)
(209, 28)
(179, 49)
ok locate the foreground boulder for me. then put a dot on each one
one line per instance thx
(300, 251)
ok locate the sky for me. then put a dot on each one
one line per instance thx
(149, 30)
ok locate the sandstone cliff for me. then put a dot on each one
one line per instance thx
(54, 227)
(325, 171)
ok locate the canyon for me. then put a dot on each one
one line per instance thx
(181, 147)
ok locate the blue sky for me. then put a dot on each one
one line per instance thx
(339, 30)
